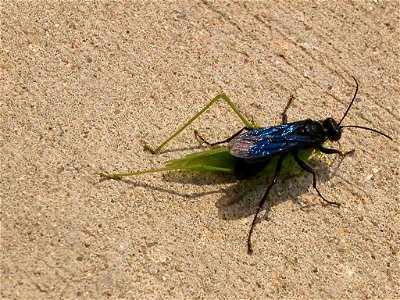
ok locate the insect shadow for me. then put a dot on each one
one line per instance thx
(291, 187)
(261, 152)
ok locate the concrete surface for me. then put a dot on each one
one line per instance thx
(86, 84)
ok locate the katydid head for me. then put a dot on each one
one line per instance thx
(333, 129)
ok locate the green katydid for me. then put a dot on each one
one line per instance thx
(215, 160)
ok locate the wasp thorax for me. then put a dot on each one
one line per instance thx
(332, 129)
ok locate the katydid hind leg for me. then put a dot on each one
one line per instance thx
(219, 97)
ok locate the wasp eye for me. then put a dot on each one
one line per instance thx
(332, 129)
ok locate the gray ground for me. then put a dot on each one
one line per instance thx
(86, 85)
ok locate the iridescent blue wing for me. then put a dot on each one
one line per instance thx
(264, 143)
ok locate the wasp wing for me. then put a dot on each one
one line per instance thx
(264, 143)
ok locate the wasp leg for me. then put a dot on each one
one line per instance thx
(308, 169)
(335, 151)
(262, 202)
(198, 136)
(284, 113)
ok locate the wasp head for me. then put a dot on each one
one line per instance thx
(332, 129)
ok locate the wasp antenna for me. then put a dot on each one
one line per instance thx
(367, 128)
(352, 100)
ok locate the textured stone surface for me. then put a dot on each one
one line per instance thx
(85, 85)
